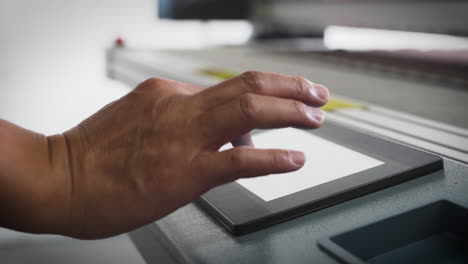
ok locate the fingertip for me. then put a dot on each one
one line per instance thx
(296, 158)
(323, 117)
(315, 115)
(320, 92)
(245, 140)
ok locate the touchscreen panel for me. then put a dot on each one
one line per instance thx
(325, 161)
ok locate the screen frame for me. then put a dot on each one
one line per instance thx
(242, 211)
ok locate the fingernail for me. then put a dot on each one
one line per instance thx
(319, 90)
(322, 92)
(245, 140)
(297, 158)
(315, 114)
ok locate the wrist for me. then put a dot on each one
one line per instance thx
(34, 180)
(57, 202)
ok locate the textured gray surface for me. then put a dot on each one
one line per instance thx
(21, 248)
(423, 97)
(193, 237)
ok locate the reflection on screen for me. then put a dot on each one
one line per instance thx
(325, 161)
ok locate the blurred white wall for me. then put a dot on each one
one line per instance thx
(53, 57)
(52, 64)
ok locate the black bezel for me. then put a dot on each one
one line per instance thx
(241, 211)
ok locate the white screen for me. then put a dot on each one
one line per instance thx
(325, 161)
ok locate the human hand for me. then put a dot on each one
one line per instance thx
(156, 149)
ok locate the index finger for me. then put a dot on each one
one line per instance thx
(263, 83)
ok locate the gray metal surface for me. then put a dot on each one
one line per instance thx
(419, 95)
(22, 248)
(194, 237)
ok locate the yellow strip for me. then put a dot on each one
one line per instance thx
(219, 74)
(333, 103)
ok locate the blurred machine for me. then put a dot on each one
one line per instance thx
(205, 10)
(311, 17)
(414, 96)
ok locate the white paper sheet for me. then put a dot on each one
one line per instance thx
(325, 161)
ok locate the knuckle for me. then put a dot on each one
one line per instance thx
(150, 85)
(238, 160)
(154, 82)
(302, 87)
(253, 80)
(277, 159)
(248, 107)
